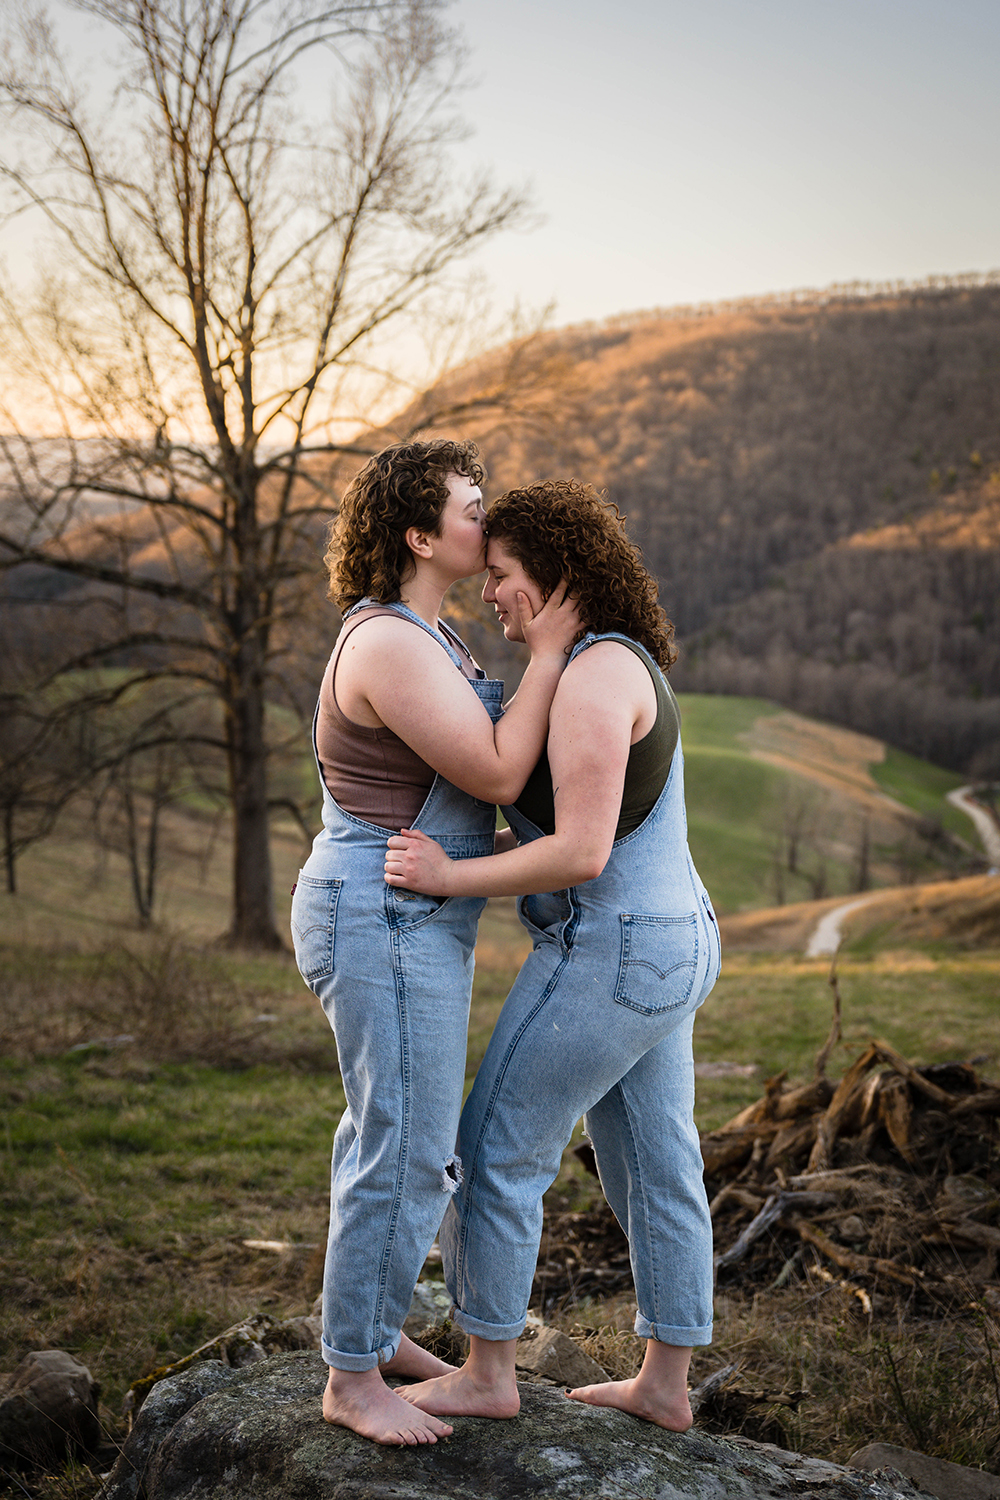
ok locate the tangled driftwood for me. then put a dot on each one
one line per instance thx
(887, 1182)
(891, 1175)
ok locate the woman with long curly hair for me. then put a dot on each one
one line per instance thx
(600, 1018)
(408, 733)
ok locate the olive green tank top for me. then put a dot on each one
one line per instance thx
(649, 761)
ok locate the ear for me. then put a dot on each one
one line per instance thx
(419, 542)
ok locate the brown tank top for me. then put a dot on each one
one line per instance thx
(372, 773)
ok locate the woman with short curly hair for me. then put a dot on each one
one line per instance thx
(403, 486)
(408, 733)
(625, 948)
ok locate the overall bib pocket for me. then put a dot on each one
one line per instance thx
(659, 961)
(314, 921)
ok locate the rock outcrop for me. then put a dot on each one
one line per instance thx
(935, 1475)
(213, 1432)
(48, 1410)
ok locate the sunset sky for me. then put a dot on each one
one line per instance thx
(689, 150)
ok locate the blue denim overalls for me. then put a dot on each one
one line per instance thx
(393, 971)
(598, 1024)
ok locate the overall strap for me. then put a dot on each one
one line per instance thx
(398, 608)
(593, 639)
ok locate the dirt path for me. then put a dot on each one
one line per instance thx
(826, 935)
(824, 940)
(986, 826)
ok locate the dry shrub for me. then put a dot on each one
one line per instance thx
(169, 1002)
(175, 1002)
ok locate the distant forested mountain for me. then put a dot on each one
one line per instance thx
(817, 486)
(815, 481)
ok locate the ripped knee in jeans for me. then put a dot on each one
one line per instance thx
(451, 1176)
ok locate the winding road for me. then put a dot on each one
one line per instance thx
(825, 938)
(826, 935)
(986, 824)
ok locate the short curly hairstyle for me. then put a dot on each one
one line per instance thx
(405, 485)
(561, 529)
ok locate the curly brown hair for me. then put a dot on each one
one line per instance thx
(561, 529)
(405, 485)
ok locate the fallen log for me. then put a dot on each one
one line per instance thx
(888, 1054)
(730, 1148)
(830, 1123)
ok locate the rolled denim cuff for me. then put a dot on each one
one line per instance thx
(495, 1332)
(358, 1362)
(663, 1333)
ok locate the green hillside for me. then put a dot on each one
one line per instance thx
(729, 797)
(743, 810)
(923, 787)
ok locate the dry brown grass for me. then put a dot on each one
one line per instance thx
(155, 997)
(890, 1378)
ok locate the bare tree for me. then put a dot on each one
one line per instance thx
(37, 778)
(152, 748)
(234, 262)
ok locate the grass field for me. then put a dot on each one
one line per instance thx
(165, 1101)
(756, 774)
(133, 1172)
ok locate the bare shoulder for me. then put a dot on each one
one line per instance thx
(603, 665)
(384, 636)
(610, 688)
(387, 669)
(613, 651)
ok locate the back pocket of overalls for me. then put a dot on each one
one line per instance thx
(659, 961)
(314, 922)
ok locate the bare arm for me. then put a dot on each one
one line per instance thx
(602, 704)
(400, 678)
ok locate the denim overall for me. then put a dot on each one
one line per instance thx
(393, 971)
(598, 1024)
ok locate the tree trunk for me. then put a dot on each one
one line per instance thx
(9, 855)
(142, 907)
(253, 897)
(253, 900)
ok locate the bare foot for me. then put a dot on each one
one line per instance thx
(462, 1395)
(636, 1397)
(362, 1401)
(413, 1361)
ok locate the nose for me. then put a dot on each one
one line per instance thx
(489, 592)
